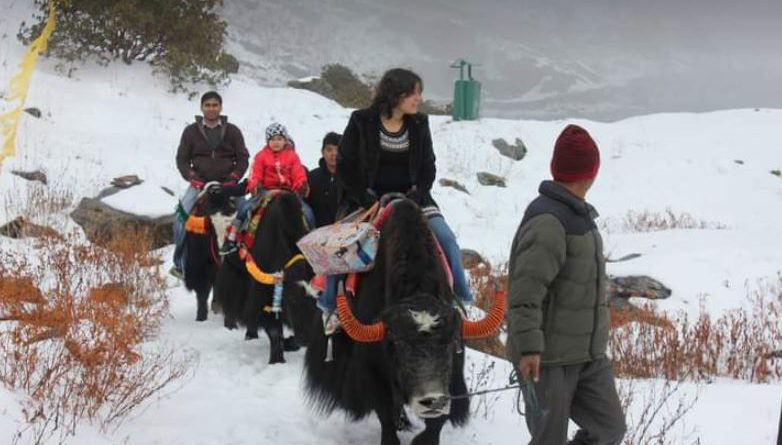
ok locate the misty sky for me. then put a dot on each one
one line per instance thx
(605, 59)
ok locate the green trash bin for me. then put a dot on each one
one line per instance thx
(466, 93)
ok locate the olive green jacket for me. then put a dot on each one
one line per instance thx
(556, 282)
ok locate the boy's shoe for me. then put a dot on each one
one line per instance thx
(176, 272)
(228, 247)
(330, 323)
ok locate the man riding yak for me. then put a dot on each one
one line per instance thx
(211, 150)
(211, 157)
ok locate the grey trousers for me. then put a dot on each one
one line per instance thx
(584, 392)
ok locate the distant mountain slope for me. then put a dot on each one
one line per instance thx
(538, 59)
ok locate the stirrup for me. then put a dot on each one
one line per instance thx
(331, 323)
(228, 248)
(176, 272)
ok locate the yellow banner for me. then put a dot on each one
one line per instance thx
(20, 84)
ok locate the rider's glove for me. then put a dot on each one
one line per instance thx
(195, 180)
(239, 189)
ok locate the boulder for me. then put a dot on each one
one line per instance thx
(472, 259)
(22, 228)
(639, 286)
(453, 184)
(36, 175)
(126, 181)
(104, 218)
(34, 112)
(515, 152)
(488, 179)
(619, 290)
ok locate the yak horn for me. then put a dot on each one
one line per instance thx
(489, 324)
(360, 332)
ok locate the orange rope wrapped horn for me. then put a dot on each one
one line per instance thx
(489, 324)
(360, 332)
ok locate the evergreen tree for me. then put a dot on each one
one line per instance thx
(182, 38)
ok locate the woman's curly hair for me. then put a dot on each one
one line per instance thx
(396, 84)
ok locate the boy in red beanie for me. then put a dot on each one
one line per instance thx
(557, 308)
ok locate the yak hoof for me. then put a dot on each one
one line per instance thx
(290, 344)
(430, 435)
(203, 309)
(250, 335)
(425, 439)
(230, 324)
(390, 439)
(275, 360)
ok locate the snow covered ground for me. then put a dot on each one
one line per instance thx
(106, 122)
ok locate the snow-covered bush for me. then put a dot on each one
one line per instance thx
(76, 324)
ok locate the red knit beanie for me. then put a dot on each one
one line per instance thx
(576, 156)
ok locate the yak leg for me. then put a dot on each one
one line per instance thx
(202, 311)
(388, 425)
(430, 435)
(252, 307)
(274, 332)
(229, 321)
(290, 344)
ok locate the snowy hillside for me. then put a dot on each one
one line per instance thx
(106, 122)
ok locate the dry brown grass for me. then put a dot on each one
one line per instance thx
(39, 204)
(76, 331)
(649, 221)
(742, 343)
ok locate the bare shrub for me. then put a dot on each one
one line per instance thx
(349, 90)
(742, 343)
(77, 321)
(39, 203)
(648, 221)
(654, 413)
(481, 377)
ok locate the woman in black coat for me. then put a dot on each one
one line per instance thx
(387, 148)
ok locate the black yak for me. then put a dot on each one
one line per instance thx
(402, 338)
(245, 293)
(201, 259)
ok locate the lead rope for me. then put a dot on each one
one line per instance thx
(526, 390)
